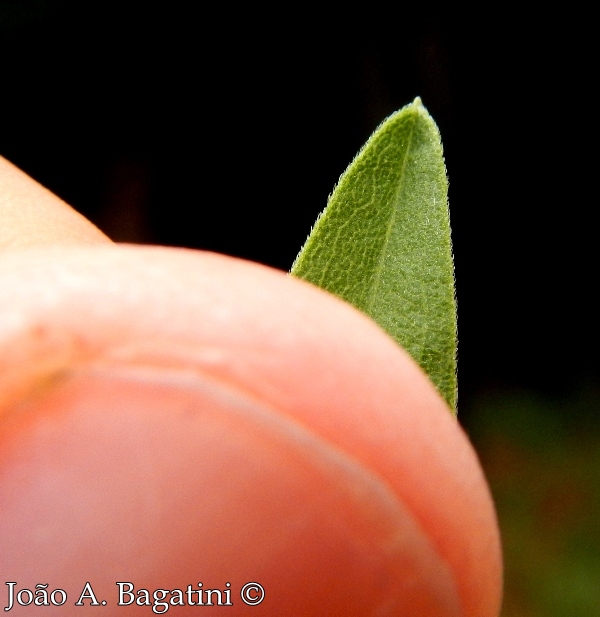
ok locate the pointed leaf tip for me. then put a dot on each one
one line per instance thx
(383, 242)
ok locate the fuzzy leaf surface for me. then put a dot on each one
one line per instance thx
(383, 242)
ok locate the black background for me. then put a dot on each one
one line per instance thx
(142, 116)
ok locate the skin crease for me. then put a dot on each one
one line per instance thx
(170, 416)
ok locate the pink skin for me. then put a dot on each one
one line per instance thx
(30, 215)
(170, 416)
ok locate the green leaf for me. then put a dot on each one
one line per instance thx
(383, 242)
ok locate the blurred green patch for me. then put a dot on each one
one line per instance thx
(542, 460)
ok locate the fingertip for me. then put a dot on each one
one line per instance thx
(147, 476)
(30, 215)
(316, 361)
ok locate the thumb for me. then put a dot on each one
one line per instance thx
(171, 416)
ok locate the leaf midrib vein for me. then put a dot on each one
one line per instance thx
(379, 268)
